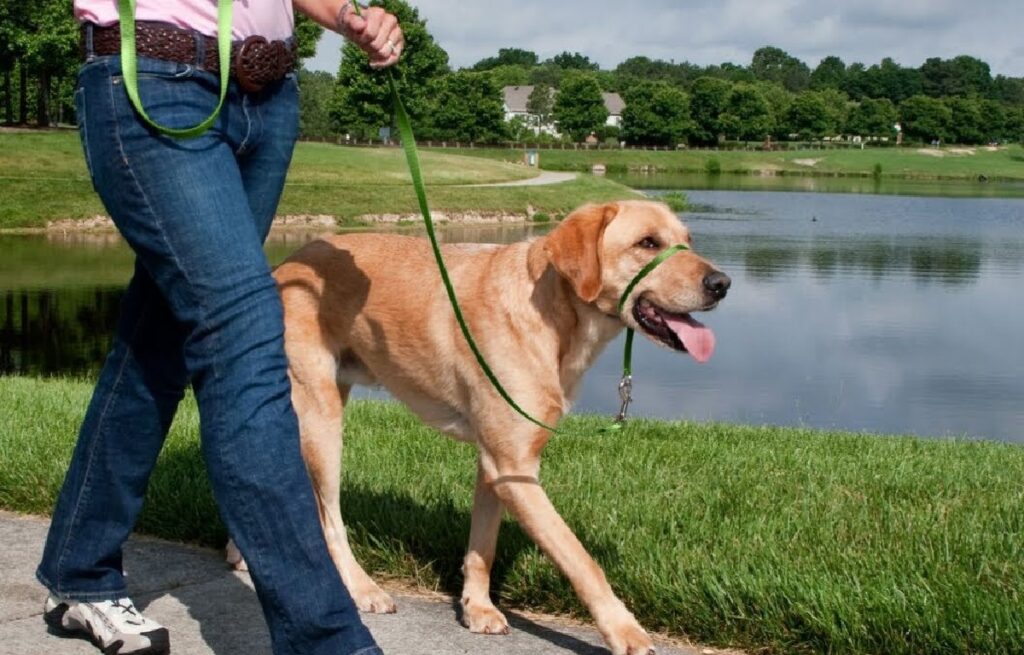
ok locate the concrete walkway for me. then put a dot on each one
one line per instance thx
(211, 610)
(545, 177)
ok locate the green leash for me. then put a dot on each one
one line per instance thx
(130, 68)
(126, 11)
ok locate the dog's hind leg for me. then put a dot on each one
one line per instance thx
(319, 401)
(478, 612)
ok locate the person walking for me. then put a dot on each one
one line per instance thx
(201, 309)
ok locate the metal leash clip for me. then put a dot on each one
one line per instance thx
(626, 396)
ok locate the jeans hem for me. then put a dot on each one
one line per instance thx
(370, 650)
(83, 596)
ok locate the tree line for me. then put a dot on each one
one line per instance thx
(776, 96)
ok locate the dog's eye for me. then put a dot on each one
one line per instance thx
(648, 242)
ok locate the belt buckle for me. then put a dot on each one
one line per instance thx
(247, 64)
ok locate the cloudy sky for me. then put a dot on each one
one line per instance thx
(715, 31)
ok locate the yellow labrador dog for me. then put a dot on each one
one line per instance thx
(371, 309)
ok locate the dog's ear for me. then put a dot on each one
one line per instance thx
(573, 248)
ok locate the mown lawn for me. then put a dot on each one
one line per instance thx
(775, 539)
(1005, 163)
(43, 178)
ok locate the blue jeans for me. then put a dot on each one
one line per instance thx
(202, 308)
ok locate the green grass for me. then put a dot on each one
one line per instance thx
(779, 540)
(43, 178)
(910, 162)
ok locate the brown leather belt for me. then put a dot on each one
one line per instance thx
(255, 62)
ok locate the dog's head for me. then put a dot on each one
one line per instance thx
(599, 249)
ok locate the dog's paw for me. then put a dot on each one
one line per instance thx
(234, 557)
(630, 640)
(372, 600)
(483, 619)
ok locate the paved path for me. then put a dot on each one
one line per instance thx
(546, 177)
(211, 610)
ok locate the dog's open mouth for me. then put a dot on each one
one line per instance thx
(677, 331)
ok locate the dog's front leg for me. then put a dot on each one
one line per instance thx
(515, 483)
(478, 612)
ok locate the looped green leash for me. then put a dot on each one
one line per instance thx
(126, 11)
(130, 68)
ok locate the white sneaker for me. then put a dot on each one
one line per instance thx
(114, 626)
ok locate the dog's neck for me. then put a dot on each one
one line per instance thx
(590, 330)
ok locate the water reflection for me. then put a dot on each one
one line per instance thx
(889, 314)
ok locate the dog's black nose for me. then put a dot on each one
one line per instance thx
(717, 283)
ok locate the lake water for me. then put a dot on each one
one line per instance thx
(880, 313)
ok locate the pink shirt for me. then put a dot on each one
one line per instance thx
(272, 19)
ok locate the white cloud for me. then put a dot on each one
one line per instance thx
(706, 32)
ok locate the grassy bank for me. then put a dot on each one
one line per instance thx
(1005, 163)
(778, 539)
(43, 178)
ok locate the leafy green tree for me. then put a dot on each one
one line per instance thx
(960, 76)
(362, 100)
(314, 104)
(829, 74)
(779, 101)
(729, 72)
(1013, 126)
(709, 97)
(1008, 89)
(508, 75)
(809, 116)
(872, 117)
(967, 123)
(465, 106)
(637, 70)
(888, 79)
(747, 115)
(13, 21)
(579, 108)
(776, 65)
(541, 104)
(925, 119)
(573, 61)
(855, 83)
(993, 115)
(50, 51)
(307, 35)
(547, 73)
(656, 113)
(508, 57)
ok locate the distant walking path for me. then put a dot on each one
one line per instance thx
(546, 177)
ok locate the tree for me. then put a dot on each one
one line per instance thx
(465, 106)
(1008, 89)
(888, 79)
(43, 40)
(809, 116)
(967, 123)
(508, 75)
(776, 65)
(656, 113)
(779, 101)
(579, 107)
(708, 99)
(362, 100)
(829, 74)
(925, 119)
(314, 104)
(573, 61)
(307, 35)
(872, 117)
(541, 104)
(508, 57)
(747, 116)
(961, 76)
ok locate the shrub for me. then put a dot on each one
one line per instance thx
(713, 167)
(676, 200)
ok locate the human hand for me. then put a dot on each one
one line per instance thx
(374, 30)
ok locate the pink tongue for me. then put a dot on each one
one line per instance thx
(698, 339)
